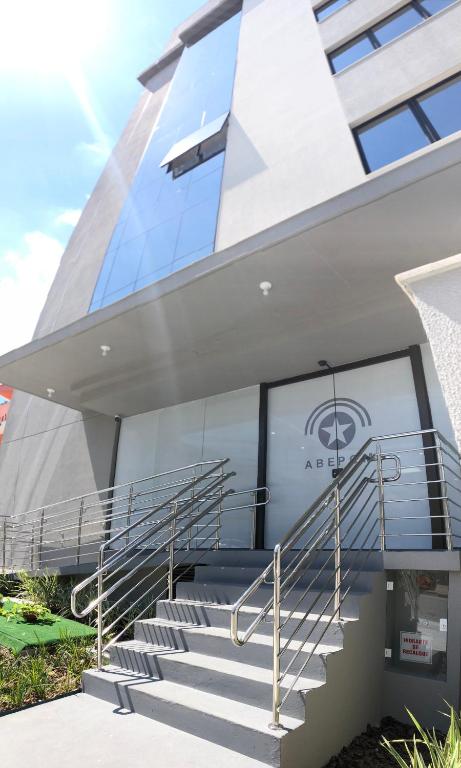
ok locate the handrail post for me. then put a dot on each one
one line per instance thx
(381, 499)
(99, 607)
(337, 600)
(171, 554)
(276, 641)
(253, 521)
(4, 546)
(128, 513)
(42, 526)
(79, 530)
(444, 493)
(219, 515)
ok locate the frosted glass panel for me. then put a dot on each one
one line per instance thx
(302, 447)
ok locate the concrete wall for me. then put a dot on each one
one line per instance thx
(436, 293)
(288, 135)
(49, 452)
(418, 59)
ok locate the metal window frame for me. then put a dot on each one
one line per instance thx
(194, 142)
(413, 354)
(370, 31)
(326, 5)
(418, 112)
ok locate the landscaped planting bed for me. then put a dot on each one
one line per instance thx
(366, 750)
(42, 673)
(42, 654)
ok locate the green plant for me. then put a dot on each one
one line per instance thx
(43, 672)
(27, 611)
(427, 749)
(47, 589)
(8, 584)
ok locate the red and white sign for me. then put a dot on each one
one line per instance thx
(415, 647)
(6, 393)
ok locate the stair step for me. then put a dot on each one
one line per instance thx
(216, 615)
(244, 574)
(235, 725)
(238, 681)
(228, 593)
(215, 641)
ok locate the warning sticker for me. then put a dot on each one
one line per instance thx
(415, 647)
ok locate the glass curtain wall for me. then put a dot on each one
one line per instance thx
(168, 223)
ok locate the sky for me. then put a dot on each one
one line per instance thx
(68, 82)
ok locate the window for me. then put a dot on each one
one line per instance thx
(169, 218)
(417, 623)
(327, 9)
(389, 29)
(420, 121)
(197, 148)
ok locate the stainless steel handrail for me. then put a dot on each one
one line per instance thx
(323, 523)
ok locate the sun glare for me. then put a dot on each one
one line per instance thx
(50, 36)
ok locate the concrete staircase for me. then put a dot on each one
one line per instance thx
(182, 669)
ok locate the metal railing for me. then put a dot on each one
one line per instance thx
(315, 566)
(69, 533)
(130, 580)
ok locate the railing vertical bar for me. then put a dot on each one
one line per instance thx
(381, 498)
(99, 608)
(444, 493)
(171, 553)
(79, 530)
(277, 569)
(337, 553)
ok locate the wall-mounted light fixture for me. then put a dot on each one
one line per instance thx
(105, 349)
(50, 392)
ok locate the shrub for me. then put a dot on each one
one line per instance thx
(44, 672)
(427, 749)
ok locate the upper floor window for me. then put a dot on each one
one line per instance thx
(170, 215)
(378, 35)
(420, 121)
(325, 10)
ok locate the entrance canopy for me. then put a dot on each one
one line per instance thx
(210, 329)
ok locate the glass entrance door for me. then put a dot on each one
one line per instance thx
(310, 435)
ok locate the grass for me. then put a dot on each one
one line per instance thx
(16, 634)
(43, 672)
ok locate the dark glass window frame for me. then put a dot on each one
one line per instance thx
(418, 112)
(326, 5)
(370, 33)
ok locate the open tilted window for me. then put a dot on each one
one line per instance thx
(198, 147)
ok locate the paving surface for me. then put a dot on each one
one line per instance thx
(81, 730)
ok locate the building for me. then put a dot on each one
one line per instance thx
(229, 292)
(6, 393)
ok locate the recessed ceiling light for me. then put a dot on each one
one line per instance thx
(265, 286)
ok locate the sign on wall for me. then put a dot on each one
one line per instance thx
(415, 647)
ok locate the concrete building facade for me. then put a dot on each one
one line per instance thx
(285, 161)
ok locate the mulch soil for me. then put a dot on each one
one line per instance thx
(366, 751)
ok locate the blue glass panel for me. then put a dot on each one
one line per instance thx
(193, 257)
(166, 221)
(198, 227)
(391, 137)
(160, 247)
(354, 51)
(443, 107)
(126, 264)
(397, 24)
(329, 8)
(434, 6)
